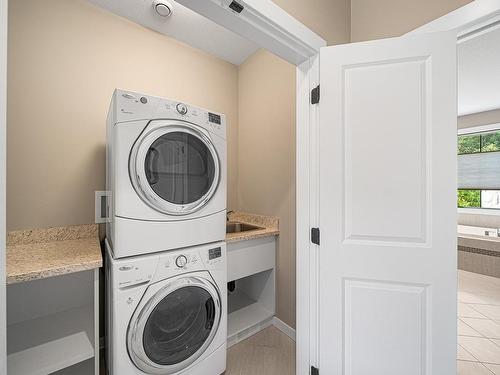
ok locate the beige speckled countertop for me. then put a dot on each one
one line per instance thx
(41, 253)
(269, 223)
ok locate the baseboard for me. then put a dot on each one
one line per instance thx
(283, 327)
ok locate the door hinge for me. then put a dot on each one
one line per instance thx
(315, 95)
(314, 370)
(315, 236)
(237, 7)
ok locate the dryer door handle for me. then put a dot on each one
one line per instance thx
(152, 172)
(210, 307)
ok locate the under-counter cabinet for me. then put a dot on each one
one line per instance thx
(251, 264)
(53, 301)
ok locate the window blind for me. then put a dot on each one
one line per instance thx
(479, 171)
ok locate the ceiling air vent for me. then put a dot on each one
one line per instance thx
(162, 8)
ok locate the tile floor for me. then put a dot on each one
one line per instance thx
(269, 352)
(478, 324)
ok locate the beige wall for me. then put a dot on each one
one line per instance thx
(375, 19)
(266, 145)
(330, 19)
(267, 159)
(65, 59)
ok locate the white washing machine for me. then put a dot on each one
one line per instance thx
(165, 174)
(167, 312)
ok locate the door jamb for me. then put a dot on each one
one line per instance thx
(3, 157)
(307, 216)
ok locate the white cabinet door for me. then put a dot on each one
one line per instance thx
(388, 253)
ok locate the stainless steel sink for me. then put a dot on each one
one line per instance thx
(236, 227)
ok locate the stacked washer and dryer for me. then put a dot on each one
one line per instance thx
(165, 250)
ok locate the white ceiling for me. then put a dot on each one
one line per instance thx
(479, 72)
(186, 26)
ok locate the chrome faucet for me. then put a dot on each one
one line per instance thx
(227, 215)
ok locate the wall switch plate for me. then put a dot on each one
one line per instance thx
(101, 206)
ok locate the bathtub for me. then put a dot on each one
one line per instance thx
(466, 230)
(478, 250)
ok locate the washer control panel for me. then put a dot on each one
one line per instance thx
(129, 273)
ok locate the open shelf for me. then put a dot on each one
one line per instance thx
(244, 313)
(50, 343)
(82, 368)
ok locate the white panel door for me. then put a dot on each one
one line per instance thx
(388, 253)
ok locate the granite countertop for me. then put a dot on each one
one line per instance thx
(269, 223)
(41, 253)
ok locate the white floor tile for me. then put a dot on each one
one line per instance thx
(472, 368)
(481, 348)
(490, 311)
(464, 355)
(493, 368)
(466, 311)
(486, 327)
(476, 288)
(465, 329)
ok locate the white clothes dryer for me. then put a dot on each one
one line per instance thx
(167, 312)
(165, 174)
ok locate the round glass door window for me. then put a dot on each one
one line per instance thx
(179, 326)
(180, 168)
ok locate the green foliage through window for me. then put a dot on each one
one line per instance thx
(490, 142)
(469, 144)
(474, 143)
(469, 198)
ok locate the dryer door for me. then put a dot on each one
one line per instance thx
(174, 167)
(175, 326)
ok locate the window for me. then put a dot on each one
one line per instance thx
(468, 198)
(479, 170)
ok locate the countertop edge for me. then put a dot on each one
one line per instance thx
(53, 272)
(246, 236)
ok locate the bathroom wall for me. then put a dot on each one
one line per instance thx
(375, 19)
(267, 136)
(65, 57)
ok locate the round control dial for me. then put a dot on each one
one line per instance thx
(181, 108)
(181, 261)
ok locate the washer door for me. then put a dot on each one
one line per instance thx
(174, 167)
(175, 326)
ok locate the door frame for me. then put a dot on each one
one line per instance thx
(3, 157)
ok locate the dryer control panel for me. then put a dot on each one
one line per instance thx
(128, 106)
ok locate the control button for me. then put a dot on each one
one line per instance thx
(128, 96)
(130, 300)
(181, 261)
(144, 100)
(181, 108)
(126, 268)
